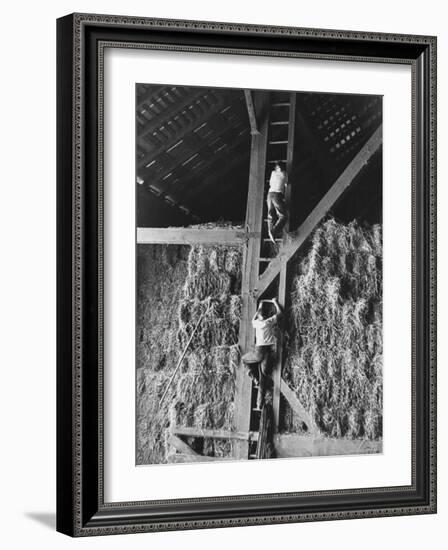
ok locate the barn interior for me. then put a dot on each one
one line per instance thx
(199, 158)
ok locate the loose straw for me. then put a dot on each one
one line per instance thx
(183, 355)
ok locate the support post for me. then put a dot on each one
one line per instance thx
(251, 254)
(251, 111)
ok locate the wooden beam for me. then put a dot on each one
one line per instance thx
(251, 254)
(296, 406)
(180, 445)
(214, 434)
(183, 458)
(251, 111)
(297, 239)
(186, 235)
(293, 446)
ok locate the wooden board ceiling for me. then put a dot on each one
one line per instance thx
(188, 140)
(194, 143)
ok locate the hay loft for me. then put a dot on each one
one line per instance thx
(333, 352)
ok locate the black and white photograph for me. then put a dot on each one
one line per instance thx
(259, 274)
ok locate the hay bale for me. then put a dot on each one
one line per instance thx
(334, 351)
(161, 269)
(175, 289)
(206, 385)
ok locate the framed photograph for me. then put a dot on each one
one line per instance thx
(246, 274)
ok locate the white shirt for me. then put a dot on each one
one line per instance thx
(265, 331)
(278, 181)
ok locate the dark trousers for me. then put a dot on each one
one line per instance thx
(277, 214)
(264, 367)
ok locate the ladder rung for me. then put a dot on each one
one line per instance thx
(274, 161)
(253, 456)
(279, 122)
(281, 104)
(266, 259)
(279, 240)
(279, 142)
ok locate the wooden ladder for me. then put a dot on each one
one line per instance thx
(280, 147)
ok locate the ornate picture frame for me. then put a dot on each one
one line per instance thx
(81, 507)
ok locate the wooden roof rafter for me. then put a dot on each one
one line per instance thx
(151, 93)
(181, 107)
(212, 161)
(215, 110)
(194, 201)
(340, 125)
(196, 146)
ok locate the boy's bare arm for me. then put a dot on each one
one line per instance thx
(277, 306)
(257, 312)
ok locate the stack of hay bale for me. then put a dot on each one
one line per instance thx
(334, 351)
(333, 356)
(176, 287)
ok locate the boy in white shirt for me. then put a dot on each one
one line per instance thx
(276, 200)
(266, 328)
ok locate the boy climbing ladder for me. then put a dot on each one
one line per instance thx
(266, 334)
(277, 210)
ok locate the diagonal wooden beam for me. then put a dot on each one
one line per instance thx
(297, 406)
(297, 238)
(186, 454)
(251, 111)
(180, 445)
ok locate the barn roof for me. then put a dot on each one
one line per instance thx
(193, 143)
